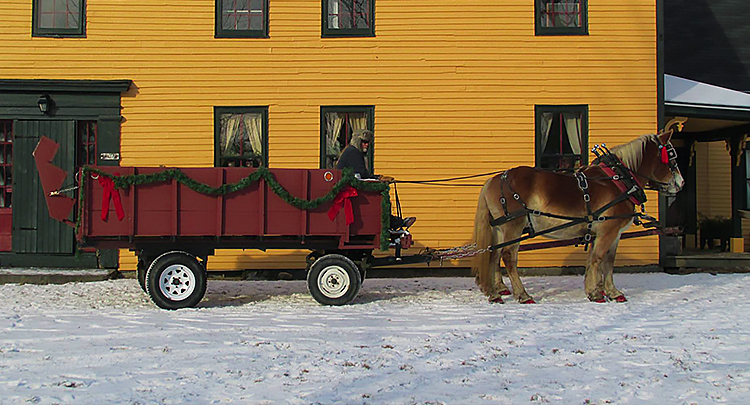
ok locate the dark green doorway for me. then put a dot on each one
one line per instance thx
(34, 231)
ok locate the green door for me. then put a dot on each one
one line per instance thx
(34, 231)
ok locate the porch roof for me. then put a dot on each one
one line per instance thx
(689, 97)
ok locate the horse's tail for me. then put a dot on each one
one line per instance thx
(480, 264)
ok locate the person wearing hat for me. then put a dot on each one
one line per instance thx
(353, 156)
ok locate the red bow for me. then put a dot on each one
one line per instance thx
(343, 199)
(110, 193)
(664, 154)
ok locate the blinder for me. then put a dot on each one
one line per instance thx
(668, 154)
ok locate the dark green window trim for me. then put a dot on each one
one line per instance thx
(370, 113)
(543, 30)
(327, 32)
(219, 160)
(539, 154)
(38, 31)
(221, 32)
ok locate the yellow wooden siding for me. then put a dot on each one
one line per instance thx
(713, 179)
(453, 83)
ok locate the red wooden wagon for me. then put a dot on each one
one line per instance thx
(177, 218)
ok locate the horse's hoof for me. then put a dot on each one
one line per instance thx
(529, 301)
(621, 298)
(496, 300)
(506, 292)
(597, 298)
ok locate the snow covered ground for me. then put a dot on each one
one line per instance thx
(680, 340)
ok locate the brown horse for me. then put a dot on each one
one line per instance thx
(559, 194)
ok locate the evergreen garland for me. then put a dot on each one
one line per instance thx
(347, 179)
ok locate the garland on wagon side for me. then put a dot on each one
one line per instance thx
(347, 179)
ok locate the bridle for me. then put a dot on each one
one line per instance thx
(667, 156)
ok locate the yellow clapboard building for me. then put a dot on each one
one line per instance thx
(450, 88)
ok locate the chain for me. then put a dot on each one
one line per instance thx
(65, 190)
(459, 252)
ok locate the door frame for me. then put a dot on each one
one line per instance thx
(77, 100)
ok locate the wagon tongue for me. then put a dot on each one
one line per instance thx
(52, 178)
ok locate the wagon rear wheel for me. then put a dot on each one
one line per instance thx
(176, 280)
(334, 280)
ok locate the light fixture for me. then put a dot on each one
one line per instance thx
(45, 103)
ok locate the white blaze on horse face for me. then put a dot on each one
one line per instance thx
(677, 182)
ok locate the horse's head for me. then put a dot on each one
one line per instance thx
(660, 160)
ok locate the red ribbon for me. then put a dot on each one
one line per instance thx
(343, 199)
(664, 154)
(110, 193)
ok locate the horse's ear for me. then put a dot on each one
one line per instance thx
(665, 136)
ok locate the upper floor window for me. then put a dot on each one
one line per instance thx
(241, 19)
(561, 137)
(336, 128)
(561, 17)
(241, 136)
(59, 18)
(348, 18)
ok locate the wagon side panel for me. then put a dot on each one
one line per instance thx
(93, 224)
(196, 211)
(244, 209)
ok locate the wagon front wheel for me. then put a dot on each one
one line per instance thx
(176, 280)
(334, 280)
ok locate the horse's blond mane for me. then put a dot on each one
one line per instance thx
(631, 153)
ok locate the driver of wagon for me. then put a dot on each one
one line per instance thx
(353, 156)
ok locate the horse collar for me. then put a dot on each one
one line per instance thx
(623, 178)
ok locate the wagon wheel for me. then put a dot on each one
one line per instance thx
(334, 280)
(141, 270)
(176, 280)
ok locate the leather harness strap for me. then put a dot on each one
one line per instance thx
(631, 189)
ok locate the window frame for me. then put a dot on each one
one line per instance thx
(220, 32)
(539, 109)
(551, 31)
(346, 32)
(6, 165)
(218, 111)
(84, 129)
(367, 109)
(37, 31)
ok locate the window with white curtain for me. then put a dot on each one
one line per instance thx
(241, 136)
(561, 137)
(336, 128)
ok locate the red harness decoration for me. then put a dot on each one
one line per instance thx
(343, 199)
(110, 193)
(664, 154)
(619, 183)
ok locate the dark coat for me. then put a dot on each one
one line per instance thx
(354, 158)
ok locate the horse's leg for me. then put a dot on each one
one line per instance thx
(498, 288)
(510, 259)
(607, 269)
(509, 255)
(606, 236)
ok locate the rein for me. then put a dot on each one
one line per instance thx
(623, 177)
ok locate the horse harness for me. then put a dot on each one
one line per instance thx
(631, 189)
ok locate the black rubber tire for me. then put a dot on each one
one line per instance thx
(181, 268)
(334, 280)
(141, 274)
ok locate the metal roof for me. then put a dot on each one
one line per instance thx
(680, 92)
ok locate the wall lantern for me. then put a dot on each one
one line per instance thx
(45, 103)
